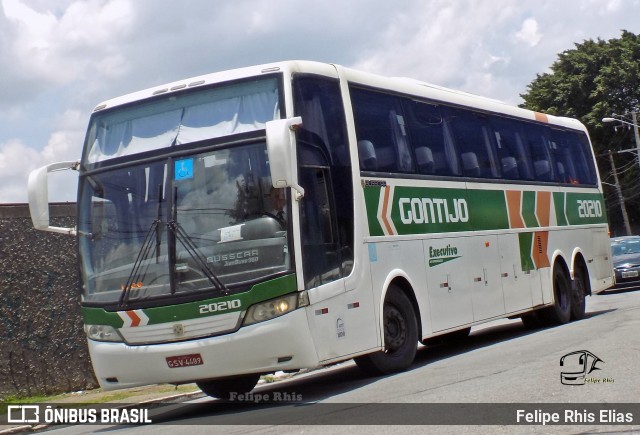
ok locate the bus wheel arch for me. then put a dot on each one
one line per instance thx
(400, 323)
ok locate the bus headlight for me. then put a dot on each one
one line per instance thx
(275, 307)
(102, 333)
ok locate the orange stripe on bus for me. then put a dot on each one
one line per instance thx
(385, 206)
(135, 319)
(542, 117)
(514, 198)
(539, 249)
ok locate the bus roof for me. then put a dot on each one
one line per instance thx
(397, 84)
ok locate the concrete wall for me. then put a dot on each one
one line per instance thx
(42, 345)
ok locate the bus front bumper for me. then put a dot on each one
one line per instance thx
(282, 343)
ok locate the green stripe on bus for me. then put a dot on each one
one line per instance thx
(419, 210)
(424, 210)
(558, 201)
(191, 310)
(526, 245)
(371, 199)
(529, 209)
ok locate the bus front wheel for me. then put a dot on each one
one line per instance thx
(224, 387)
(400, 337)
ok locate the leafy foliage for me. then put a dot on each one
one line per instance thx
(595, 80)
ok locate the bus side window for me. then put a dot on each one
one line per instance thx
(473, 142)
(326, 211)
(434, 154)
(538, 148)
(572, 157)
(400, 140)
(510, 149)
(580, 148)
(380, 123)
(318, 229)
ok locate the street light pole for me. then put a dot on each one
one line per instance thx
(633, 123)
(636, 135)
(623, 207)
(634, 117)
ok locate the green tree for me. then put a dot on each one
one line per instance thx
(592, 81)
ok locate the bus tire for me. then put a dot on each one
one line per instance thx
(578, 292)
(400, 337)
(560, 312)
(223, 387)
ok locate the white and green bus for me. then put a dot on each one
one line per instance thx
(411, 213)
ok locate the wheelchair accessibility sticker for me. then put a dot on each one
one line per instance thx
(183, 169)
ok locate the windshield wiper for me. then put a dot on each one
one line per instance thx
(192, 249)
(143, 254)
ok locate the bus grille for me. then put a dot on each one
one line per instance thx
(182, 330)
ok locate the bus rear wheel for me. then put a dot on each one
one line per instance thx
(578, 292)
(400, 337)
(222, 388)
(560, 312)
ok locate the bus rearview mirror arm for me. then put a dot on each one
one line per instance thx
(38, 193)
(281, 150)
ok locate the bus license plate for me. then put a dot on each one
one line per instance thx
(630, 274)
(175, 362)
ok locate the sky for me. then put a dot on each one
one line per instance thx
(60, 58)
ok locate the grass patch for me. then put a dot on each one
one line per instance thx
(17, 400)
(100, 396)
(269, 379)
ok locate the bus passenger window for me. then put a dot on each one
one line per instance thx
(405, 161)
(538, 148)
(381, 125)
(573, 157)
(473, 143)
(511, 150)
(430, 139)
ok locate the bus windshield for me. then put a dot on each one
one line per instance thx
(182, 119)
(209, 222)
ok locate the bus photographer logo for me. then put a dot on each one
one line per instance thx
(79, 414)
(578, 365)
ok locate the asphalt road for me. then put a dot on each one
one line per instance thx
(500, 364)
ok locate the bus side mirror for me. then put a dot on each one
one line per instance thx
(38, 192)
(281, 150)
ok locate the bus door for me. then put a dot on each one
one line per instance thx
(341, 321)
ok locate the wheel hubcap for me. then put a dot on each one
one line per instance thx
(395, 329)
